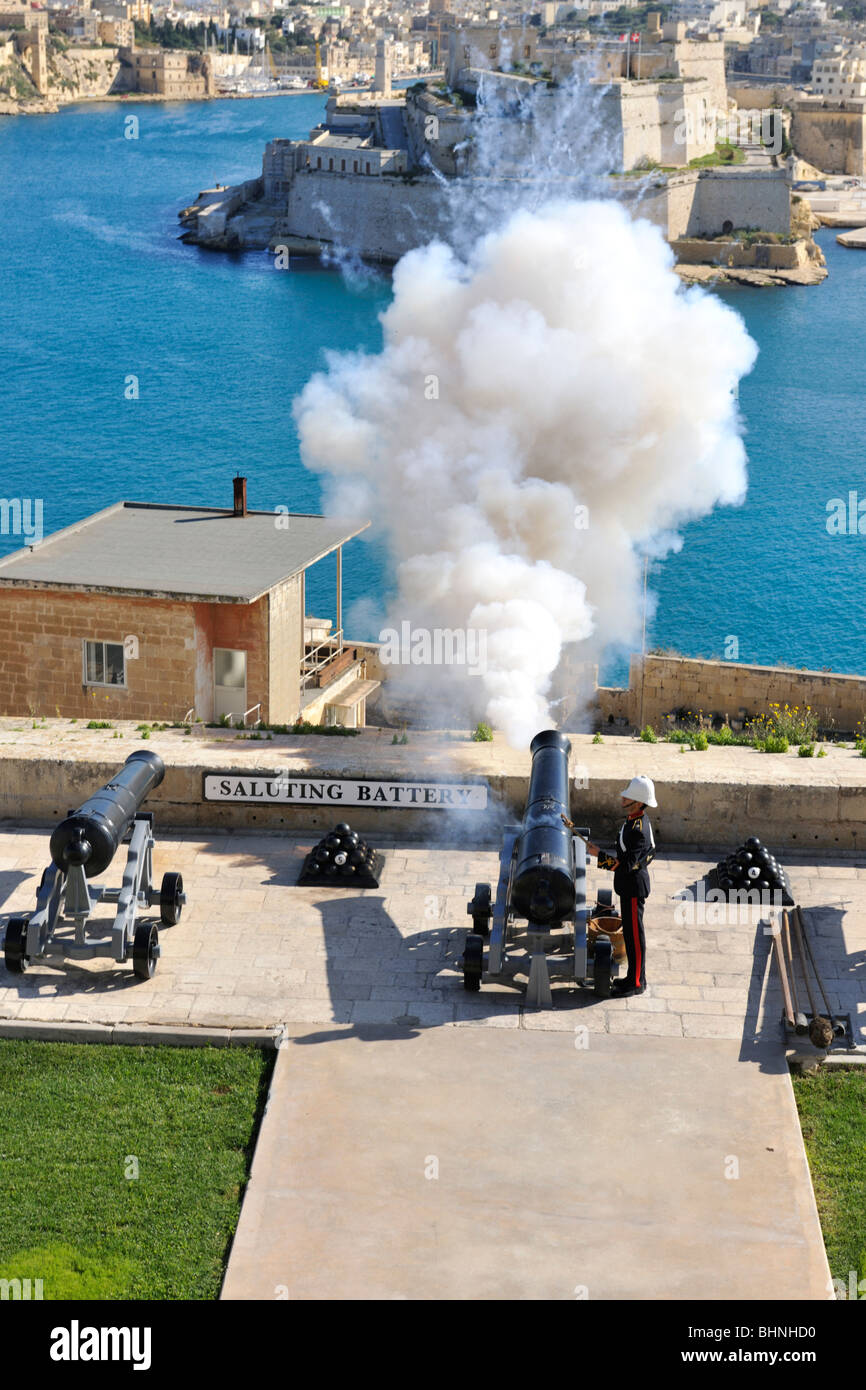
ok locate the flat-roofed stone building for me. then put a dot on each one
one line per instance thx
(153, 612)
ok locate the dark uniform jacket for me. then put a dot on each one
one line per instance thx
(635, 849)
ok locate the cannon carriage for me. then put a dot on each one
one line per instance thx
(542, 881)
(83, 846)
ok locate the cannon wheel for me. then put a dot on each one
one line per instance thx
(473, 961)
(481, 909)
(171, 899)
(15, 945)
(144, 950)
(601, 968)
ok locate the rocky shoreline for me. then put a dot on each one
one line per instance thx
(811, 274)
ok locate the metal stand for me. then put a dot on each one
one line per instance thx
(64, 898)
(546, 960)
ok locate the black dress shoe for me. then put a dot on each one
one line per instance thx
(624, 988)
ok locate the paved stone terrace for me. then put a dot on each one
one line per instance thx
(253, 950)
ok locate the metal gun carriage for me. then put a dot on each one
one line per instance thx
(83, 846)
(542, 880)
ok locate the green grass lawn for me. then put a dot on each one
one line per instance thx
(832, 1108)
(122, 1168)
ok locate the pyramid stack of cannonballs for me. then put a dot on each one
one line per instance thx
(754, 867)
(343, 859)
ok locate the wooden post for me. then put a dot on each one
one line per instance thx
(303, 621)
(340, 590)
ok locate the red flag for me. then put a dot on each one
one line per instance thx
(635, 38)
(623, 37)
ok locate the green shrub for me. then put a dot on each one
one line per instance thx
(774, 743)
(789, 722)
(677, 736)
(806, 750)
(483, 733)
(722, 736)
(100, 724)
(648, 734)
(699, 741)
(597, 738)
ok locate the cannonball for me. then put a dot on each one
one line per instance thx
(744, 858)
(753, 843)
(340, 857)
(753, 872)
(342, 829)
(321, 854)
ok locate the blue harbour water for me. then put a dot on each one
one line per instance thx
(96, 288)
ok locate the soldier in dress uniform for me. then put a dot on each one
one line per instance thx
(634, 852)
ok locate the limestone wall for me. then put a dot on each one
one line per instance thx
(660, 121)
(728, 688)
(762, 97)
(832, 138)
(284, 646)
(698, 202)
(792, 803)
(385, 217)
(743, 197)
(735, 253)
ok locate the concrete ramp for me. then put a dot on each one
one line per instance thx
(486, 1163)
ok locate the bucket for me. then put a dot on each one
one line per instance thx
(608, 926)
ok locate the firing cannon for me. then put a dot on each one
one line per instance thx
(82, 846)
(542, 880)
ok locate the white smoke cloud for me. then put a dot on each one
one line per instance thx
(559, 367)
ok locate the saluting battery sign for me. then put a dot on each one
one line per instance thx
(288, 789)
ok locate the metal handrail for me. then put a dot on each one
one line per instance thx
(257, 706)
(311, 664)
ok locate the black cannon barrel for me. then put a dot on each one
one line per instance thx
(543, 887)
(92, 834)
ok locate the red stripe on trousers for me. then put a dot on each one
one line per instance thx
(636, 936)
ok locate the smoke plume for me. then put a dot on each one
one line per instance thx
(547, 407)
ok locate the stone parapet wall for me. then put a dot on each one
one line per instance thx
(726, 687)
(713, 798)
(737, 253)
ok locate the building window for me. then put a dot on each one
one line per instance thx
(104, 663)
(330, 166)
(354, 166)
(368, 166)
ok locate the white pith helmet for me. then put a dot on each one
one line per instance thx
(641, 789)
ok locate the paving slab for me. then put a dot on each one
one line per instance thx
(326, 955)
(429, 1163)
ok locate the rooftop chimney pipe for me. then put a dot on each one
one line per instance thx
(240, 486)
